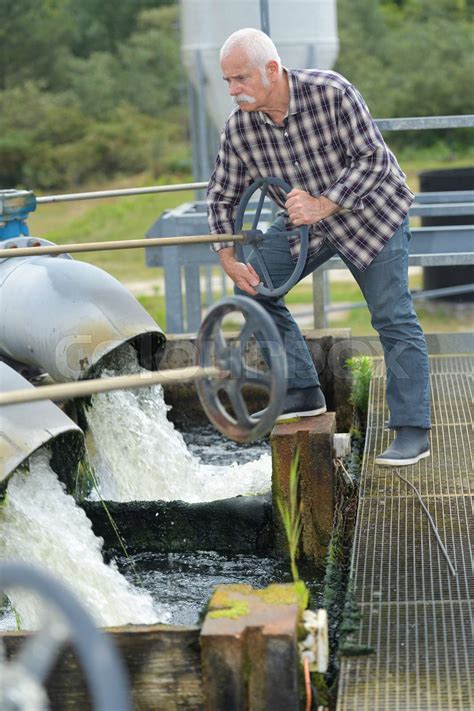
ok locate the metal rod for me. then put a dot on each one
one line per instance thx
(120, 193)
(84, 388)
(120, 244)
(264, 17)
(428, 294)
(423, 122)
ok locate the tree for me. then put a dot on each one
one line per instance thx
(412, 58)
(100, 25)
(33, 38)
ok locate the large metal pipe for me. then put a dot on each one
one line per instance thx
(26, 427)
(63, 316)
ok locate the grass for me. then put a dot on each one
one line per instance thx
(131, 217)
(437, 157)
(434, 317)
(156, 307)
(105, 220)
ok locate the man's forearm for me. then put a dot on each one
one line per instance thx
(227, 257)
(304, 209)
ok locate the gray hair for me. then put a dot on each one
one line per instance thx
(256, 45)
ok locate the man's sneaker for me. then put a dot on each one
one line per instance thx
(409, 446)
(301, 402)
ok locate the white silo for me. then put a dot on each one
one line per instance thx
(304, 31)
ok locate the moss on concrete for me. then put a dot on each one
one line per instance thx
(238, 608)
(222, 605)
(274, 594)
(342, 614)
(278, 594)
(69, 461)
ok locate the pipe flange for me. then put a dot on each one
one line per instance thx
(18, 242)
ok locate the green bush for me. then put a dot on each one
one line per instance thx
(410, 58)
(361, 368)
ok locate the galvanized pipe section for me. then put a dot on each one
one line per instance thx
(419, 123)
(120, 193)
(24, 429)
(120, 244)
(84, 388)
(264, 17)
(63, 316)
(428, 294)
(442, 209)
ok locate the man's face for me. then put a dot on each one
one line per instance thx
(246, 85)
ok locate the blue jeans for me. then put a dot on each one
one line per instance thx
(384, 285)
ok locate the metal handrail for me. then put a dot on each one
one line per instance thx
(69, 197)
(419, 123)
(388, 124)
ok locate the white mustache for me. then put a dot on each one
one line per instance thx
(243, 99)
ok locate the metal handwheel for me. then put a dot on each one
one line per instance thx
(214, 348)
(254, 236)
(22, 679)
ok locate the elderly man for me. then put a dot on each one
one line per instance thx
(313, 129)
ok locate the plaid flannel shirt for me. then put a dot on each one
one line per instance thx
(328, 145)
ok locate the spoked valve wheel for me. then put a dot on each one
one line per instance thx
(228, 354)
(254, 235)
(22, 680)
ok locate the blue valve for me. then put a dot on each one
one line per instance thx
(15, 205)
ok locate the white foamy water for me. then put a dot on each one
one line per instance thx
(139, 456)
(41, 524)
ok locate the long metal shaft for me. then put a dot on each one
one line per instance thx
(119, 244)
(84, 388)
(120, 193)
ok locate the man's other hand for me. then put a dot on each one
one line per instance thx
(243, 275)
(304, 209)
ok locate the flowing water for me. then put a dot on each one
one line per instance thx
(167, 576)
(41, 524)
(138, 455)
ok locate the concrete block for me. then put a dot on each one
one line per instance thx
(249, 649)
(314, 436)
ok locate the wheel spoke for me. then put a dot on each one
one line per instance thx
(221, 346)
(252, 376)
(39, 654)
(238, 403)
(258, 210)
(265, 273)
(246, 333)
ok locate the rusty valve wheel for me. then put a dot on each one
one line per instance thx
(254, 237)
(214, 348)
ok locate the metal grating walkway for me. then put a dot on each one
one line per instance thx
(414, 613)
